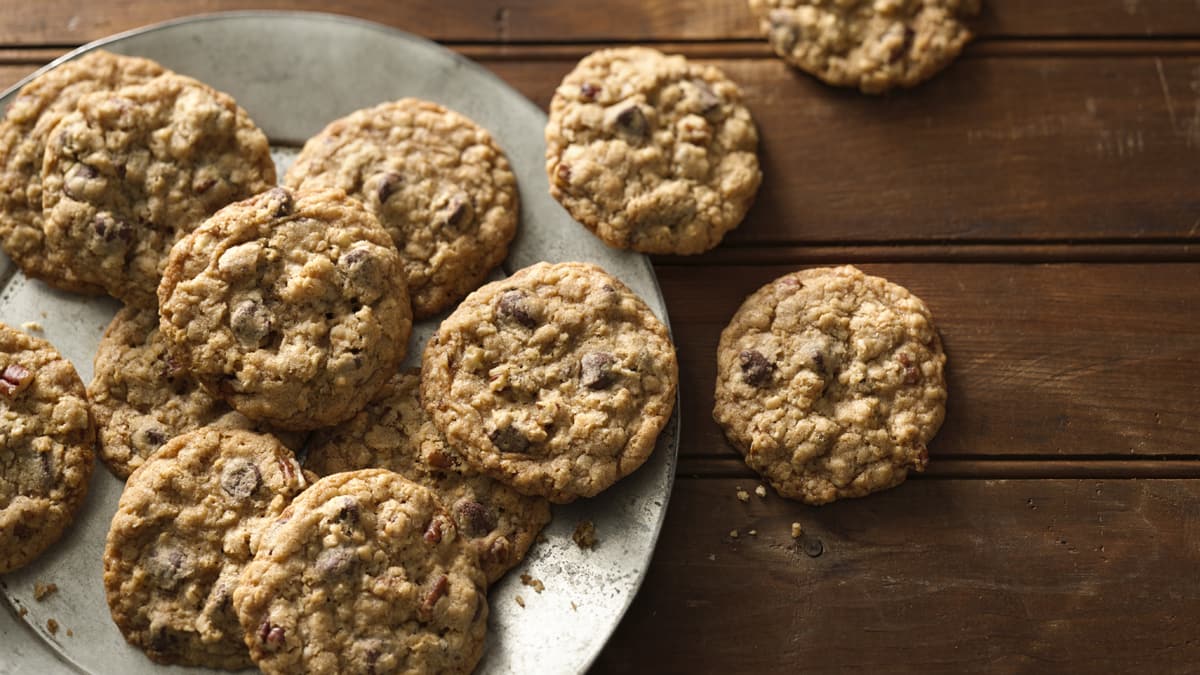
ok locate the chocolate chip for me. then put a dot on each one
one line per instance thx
(597, 370)
(389, 182)
(148, 439)
(349, 511)
(251, 322)
(271, 636)
(783, 33)
(110, 228)
(435, 593)
(513, 306)
(334, 562)
(240, 479)
(588, 91)
(706, 98)
(630, 121)
(364, 272)
(509, 439)
(279, 201)
(15, 379)
(756, 369)
(474, 519)
(169, 566)
(453, 210)
(75, 183)
(912, 374)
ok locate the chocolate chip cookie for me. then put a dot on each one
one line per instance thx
(437, 182)
(395, 433)
(364, 572)
(142, 398)
(556, 380)
(290, 306)
(831, 383)
(46, 446)
(131, 171)
(651, 152)
(37, 108)
(188, 522)
(870, 44)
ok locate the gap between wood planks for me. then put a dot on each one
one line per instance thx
(975, 468)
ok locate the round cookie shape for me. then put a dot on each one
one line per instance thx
(651, 152)
(131, 171)
(874, 46)
(438, 183)
(141, 397)
(188, 522)
(47, 441)
(290, 306)
(395, 433)
(830, 382)
(364, 572)
(556, 380)
(23, 133)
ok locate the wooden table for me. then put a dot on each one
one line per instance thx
(1043, 197)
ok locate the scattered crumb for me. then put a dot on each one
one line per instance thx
(733, 534)
(520, 601)
(52, 626)
(761, 491)
(753, 533)
(42, 591)
(32, 327)
(712, 557)
(797, 530)
(70, 633)
(23, 612)
(574, 607)
(585, 534)
(535, 584)
(742, 495)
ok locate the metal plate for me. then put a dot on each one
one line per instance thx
(294, 72)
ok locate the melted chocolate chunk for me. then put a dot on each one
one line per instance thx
(756, 369)
(596, 370)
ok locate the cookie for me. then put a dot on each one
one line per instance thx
(364, 572)
(872, 45)
(187, 524)
(23, 133)
(437, 182)
(395, 433)
(556, 380)
(141, 397)
(289, 306)
(46, 446)
(651, 152)
(830, 382)
(131, 171)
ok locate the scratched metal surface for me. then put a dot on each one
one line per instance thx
(294, 72)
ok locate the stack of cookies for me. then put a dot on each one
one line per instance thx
(264, 324)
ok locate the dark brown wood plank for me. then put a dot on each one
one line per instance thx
(71, 22)
(1054, 360)
(934, 576)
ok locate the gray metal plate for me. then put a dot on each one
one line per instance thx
(294, 72)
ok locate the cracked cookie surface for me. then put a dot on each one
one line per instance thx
(133, 170)
(47, 441)
(289, 306)
(874, 45)
(830, 382)
(556, 380)
(394, 432)
(651, 152)
(364, 572)
(438, 183)
(187, 524)
(37, 108)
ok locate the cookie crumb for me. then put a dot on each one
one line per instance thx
(32, 327)
(753, 533)
(574, 607)
(733, 534)
(520, 601)
(535, 584)
(22, 612)
(742, 495)
(797, 530)
(761, 491)
(52, 626)
(70, 633)
(585, 534)
(42, 591)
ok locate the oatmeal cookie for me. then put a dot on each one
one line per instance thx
(364, 572)
(395, 433)
(874, 45)
(131, 171)
(556, 380)
(438, 183)
(188, 522)
(831, 383)
(37, 108)
(46, 446)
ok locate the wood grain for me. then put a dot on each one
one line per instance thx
(934, 576)
(1053, 360)
(72, 22)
